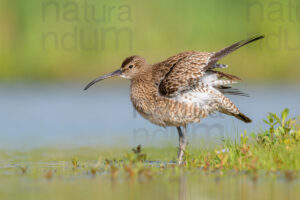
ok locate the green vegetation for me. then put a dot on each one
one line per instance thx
(261, 159)
(62, 40)
(276, 149)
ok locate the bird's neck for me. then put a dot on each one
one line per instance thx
(142, 93)
(144, 81)
(144, 75)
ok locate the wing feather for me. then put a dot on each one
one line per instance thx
(185, 72)
(182, 71)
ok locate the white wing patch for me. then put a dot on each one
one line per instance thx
(205, 95)
(208, 78)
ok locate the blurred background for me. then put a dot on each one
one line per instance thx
(49, 50)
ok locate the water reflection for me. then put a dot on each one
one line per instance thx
(238, 186)
(192, 184)
(182, 188)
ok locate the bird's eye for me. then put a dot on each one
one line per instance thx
(130, 66)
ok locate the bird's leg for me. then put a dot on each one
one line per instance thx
(182, 143)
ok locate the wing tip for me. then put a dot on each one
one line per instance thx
(251, 39)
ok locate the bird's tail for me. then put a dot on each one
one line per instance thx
(227, 107)
(243, 117)
(239, 115)
(227, 50)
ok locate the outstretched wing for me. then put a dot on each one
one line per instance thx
(184, 72)
(227, 50)
(186, 69)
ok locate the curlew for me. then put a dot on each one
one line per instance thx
(182, 89)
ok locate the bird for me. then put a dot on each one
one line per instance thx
(182, 89)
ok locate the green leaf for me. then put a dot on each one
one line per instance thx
(281, 129)
(276, 117)
(284, 115)
(270, 118)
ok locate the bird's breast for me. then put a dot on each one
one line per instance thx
(143, 97)
(147, 102)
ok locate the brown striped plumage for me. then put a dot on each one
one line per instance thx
(181, 89)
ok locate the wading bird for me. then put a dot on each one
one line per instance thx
(182, 89)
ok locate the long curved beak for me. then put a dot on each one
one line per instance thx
(112, 74)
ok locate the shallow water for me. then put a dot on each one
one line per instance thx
(81, 184)
(25, 175)
(62, 115)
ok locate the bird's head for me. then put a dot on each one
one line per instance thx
(131, 68)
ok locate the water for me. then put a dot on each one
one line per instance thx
(63, 115)
(192, 187)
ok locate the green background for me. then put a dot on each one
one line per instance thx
(154, 29)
